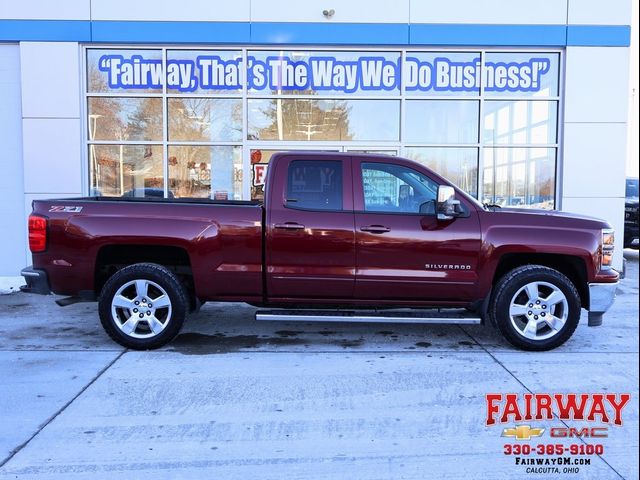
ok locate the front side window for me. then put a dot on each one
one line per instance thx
(392, 188)
(315, 185)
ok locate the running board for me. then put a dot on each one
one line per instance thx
(442, 316)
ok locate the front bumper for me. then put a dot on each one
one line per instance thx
(37, 281)
(601, 297)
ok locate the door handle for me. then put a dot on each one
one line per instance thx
(375, 229)
(289, 226)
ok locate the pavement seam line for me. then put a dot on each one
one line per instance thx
(531, 391)
(16, 450)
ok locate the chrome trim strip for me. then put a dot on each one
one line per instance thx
(367, 319)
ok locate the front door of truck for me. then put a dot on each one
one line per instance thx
(402, 251)
(310, 249)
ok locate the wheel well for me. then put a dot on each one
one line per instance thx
(112, 258)
(573, 267)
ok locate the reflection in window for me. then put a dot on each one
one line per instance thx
(206, 172)
(318, 119)
(124, 118)
(205, 119)
(316, 185)
(132, 170)
(520, 122)
(392, 188)
(441, 121)
(458, 165)
(259, 161)
(520, 177)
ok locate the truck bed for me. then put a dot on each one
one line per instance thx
(222, 240)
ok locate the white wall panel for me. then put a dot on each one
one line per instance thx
(489, 11)
(357, 11)
(52, 157)
(45, 9)
(599, 12)
(12, 219)
(596, 85)
(170, 10)
(609, 209)
(594, 159)
(50, 79)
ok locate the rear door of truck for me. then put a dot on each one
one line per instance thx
(310, 228)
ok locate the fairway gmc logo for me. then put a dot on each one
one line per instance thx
(590, 407)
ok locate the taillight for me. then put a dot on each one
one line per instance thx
(37, 233)
(608, 245)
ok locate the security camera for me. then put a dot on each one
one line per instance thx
(328, 13)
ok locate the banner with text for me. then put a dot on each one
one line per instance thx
(325, 73)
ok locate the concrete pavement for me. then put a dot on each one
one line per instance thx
(235, 398)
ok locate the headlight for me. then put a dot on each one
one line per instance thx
(608, 244)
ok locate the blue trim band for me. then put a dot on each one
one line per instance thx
(315, 33)
(45, 31)
(599, 35)
(500, 35)
(330, 33)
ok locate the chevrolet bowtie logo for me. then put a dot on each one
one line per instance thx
(522, 432)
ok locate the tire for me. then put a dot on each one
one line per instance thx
(158, 315)
(536, 308)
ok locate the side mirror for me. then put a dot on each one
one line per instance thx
(447, 206)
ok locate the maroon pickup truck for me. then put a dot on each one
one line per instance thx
(340, 237)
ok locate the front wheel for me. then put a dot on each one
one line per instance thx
(143, 306)
(535, 307)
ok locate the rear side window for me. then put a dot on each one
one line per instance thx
(315, 185)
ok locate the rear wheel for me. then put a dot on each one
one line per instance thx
(535, 307)
(143, 306)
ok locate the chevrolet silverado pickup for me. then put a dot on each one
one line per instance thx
(339, 237)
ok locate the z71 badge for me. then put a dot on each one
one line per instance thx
(65, 209)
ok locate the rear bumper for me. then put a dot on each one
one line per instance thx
(37, 281)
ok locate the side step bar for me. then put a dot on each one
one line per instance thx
(442, 316)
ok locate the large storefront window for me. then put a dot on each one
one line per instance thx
(321, 120)
(205, 122)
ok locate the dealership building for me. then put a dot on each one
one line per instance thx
(520, 104)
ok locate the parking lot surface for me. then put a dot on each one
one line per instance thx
(234, 398)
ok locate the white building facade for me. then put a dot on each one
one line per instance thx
(521, 105)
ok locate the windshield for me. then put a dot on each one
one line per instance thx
(632, 187)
